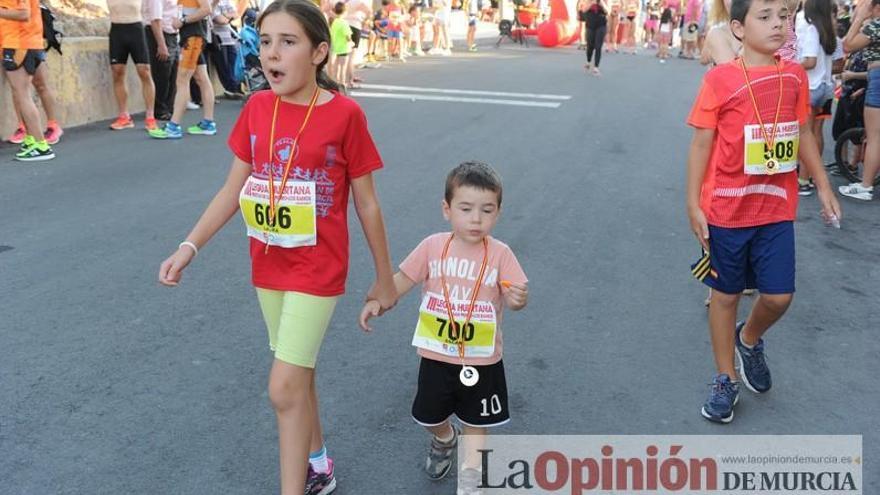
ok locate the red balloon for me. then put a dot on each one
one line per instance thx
(551, 33)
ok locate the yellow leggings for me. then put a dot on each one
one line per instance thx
(296, 323)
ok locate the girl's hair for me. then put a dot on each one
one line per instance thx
(315, 26)
(818, 13)
(718, 12)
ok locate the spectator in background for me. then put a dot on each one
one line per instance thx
(163, 50)
(127, 39)
(223, 48)
(21, 40)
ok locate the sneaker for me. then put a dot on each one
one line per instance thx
(724, 395)
(752, 365)
(469, 480)
(804, 188)
(32, 151)
(321, 483)
(18, 136)
(439, 460)
(53, 133)
(153, 129)
(472, 48)
(204, 128)
(192, 106)
(435, 51)
(446, 52)
(170, 131)
(857, 191)
(124, 121)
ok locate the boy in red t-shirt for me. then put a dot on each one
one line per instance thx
(467, 279)
(750, 131)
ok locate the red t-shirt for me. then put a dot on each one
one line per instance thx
(335, 148)
(730, 197)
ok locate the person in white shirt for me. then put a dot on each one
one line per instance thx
(164, 50)
(817, 48)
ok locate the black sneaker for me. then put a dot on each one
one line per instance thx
(804, 189)
(718, 408)
(752, 365)
(440, 455)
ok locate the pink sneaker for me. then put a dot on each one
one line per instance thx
(17, 137)
(53, 133)
(321, 483)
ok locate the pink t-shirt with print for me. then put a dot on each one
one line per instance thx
(463, 261)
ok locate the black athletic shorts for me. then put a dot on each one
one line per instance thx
(29, 60)
(355, 36)
(441, 394)
(128, 39)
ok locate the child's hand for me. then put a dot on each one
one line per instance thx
(371, 309)
(831, 211)
(515, 295)
(172, 268)
(385, 294)
(699, 226)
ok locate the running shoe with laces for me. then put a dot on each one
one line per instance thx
(439, 460)
(124, 121)
(33, 151)
(170, 131)
(204, 128)
(469, 481)
(152, 127)
(53, 133)
(321, 483)
(753, 368)
(857, 191)
(18, 136)
(723, 396)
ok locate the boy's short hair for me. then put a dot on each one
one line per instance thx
(339, 8)
(739, 9)
(475, 174)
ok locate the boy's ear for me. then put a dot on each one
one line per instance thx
(738, 29)
(445, 207)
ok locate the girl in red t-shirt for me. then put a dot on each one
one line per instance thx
(299, 149)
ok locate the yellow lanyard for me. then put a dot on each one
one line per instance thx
(272, 214)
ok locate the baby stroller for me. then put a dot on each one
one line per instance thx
(247, 65)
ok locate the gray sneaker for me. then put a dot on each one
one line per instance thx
(469, 482)
(440, 455)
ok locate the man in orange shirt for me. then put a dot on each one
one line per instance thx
(21, 39)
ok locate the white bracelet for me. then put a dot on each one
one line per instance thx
(190, 245)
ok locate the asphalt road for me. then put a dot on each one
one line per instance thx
(111, 384)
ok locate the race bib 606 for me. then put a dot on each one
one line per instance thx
(294, 225)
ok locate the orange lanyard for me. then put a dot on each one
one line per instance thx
(271, 215)
(459, 331)
(768, 140)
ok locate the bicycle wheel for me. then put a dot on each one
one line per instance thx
(849, 153)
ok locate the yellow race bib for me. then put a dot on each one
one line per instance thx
(294, 224)
(434, 332)
(761, 159)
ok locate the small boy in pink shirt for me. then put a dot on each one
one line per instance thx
(467, 278)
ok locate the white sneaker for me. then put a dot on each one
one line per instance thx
(192, 106)
(857, 191)
(447, 52)
(435, 51)
(419, 53)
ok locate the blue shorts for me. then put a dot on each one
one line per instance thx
(872, 95)
(752, 258)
